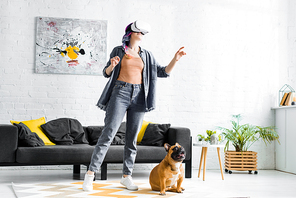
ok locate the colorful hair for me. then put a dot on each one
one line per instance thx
(126, 38)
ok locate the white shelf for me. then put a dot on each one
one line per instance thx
(284, 107)
(209, 145)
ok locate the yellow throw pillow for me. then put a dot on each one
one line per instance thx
(142, 131)
(35, 126)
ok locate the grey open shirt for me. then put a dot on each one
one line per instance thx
(151, 71)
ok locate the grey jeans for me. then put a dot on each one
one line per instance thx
(125, 98)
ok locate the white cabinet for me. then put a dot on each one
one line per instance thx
(285, 121)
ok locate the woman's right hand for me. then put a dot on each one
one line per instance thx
(114, 61)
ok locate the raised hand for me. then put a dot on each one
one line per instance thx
(173, 62)
(179, 54)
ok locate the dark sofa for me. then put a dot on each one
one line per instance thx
(80, 154)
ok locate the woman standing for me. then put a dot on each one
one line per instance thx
(133, 72)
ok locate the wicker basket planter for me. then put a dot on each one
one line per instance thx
(241, 161)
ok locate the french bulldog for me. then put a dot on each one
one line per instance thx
(168, 175)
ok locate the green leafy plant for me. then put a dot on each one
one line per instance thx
(208, 138)
(242, 137)
(200, 137)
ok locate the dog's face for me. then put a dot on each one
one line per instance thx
(176, 152)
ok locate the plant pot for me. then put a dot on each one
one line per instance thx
(241, 161)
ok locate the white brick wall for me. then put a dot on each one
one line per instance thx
(239, 53)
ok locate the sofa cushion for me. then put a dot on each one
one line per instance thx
(26, 137)
(81, 154)
(144, 154)
(155, 135)
(54, 155)
(65, 131)
(34, 126)
(150, 153)
(94, 132)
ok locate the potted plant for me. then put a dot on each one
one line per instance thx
(242, 137)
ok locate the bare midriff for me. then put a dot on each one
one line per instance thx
(131, 70)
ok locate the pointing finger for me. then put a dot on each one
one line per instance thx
(181, 49)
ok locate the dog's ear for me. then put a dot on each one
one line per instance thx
(167, 147)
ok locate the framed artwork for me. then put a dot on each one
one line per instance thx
(70, 46)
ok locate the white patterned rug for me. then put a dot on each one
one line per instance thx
(101, 189)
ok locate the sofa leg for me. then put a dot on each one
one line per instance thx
(104, 171)
(76, 169)
(188, 164)
(188, 169)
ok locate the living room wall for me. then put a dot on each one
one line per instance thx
(235, 62)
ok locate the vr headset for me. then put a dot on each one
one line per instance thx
(140, 26)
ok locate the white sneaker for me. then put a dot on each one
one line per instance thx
(88, 182)
(128, 183)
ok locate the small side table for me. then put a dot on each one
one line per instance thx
(203, 157)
